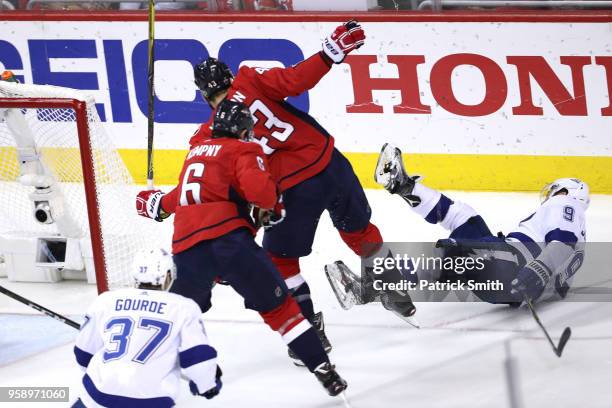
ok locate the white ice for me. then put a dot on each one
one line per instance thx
(457, 359)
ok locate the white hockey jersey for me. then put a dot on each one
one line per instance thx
(134, 344)
(561, 219)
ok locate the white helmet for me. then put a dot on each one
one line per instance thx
(575, 188)
(153, 267)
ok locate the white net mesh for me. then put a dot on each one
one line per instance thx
(56, 139)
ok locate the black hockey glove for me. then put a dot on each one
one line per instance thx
(269, 218)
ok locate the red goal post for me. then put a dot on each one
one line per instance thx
(80, 109)
(57, 159)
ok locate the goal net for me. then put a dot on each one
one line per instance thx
(66, 197)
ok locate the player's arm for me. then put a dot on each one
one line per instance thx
(157, 205)
(259, 188)
(279, 83)
(197, 359)
(561, 246)
(88, 341)
(169, 201)
(254, 179)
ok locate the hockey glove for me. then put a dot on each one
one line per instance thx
(213, 392)
(344, 39)
(531, 280)
(269, 218)
(148, 204)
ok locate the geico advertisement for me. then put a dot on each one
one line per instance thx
(476, 88)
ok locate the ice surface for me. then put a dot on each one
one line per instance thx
(456, 360)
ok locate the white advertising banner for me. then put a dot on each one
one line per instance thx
(474, 88)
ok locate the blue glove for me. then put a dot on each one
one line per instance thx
(531, 280)
(213, 392)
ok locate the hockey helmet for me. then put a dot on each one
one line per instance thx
(154, 267)
(574, 187)
(212, 76)
(231, 118)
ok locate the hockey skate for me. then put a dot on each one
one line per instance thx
(319, 325)
(330, 379)
(350, 290)
(401, 307)
(390, 174)
(345, 284)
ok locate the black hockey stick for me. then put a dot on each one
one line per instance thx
(565, 336)
(40, 308)
(472, 244)
(151, 94)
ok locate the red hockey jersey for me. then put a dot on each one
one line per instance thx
(220, 177)
(296, 145)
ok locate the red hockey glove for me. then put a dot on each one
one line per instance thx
(343, 40)
(269, 218)
(148, 205)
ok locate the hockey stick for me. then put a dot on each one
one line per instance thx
(567, 332)
(40, 308)
(565, 336)
(151, 94)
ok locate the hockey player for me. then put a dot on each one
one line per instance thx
(536, 261)
(135, 343)
(214, 234)
(544, 242)
(312, 175)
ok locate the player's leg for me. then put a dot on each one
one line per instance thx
(195, 274)
(249, 270)
(349, 208)
(350, 214)
(436, 208)
(292, 239)
(460, 219)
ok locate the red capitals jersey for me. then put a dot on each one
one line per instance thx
(296, 145)
(220, 177)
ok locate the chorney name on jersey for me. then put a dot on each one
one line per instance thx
(134, 345)
(204, 150)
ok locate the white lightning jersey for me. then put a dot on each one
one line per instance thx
(560, 219)
(134, 344)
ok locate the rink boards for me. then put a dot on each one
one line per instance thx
(478, 102)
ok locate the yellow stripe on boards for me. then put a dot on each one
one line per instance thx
(494, 172)
(441, 171)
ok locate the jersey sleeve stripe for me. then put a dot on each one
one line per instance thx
(529, 244)
(82, 357)
(562, 236)
(110, 400)
(197, 354)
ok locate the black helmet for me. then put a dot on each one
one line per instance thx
(231, 119)
(212, 76)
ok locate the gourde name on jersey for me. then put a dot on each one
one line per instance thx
(140, 305)
(134, 344)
